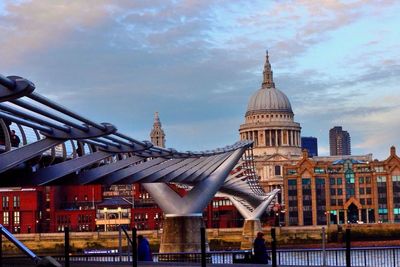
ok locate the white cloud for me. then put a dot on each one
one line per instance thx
(198, 62)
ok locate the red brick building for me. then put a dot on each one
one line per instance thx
(342, 191)
(93, 207)
(21, 209)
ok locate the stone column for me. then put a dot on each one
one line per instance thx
(270, 137)
(389, 197)
(299, 188)
(291, 137)
(182, 234)
(294, 137)
(250, 229)
(276, 138)
(337, 217)
(298, 138)
(314, 202)
(345, 216)
(287, 137)
(359, 215)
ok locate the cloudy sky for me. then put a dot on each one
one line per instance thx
(198, 62)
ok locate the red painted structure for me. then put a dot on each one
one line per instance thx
(51, 208)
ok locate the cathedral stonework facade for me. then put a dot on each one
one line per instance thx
(269, 123)
(157, 134)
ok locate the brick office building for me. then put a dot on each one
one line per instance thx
(21, 209)
(88, 208)
(343, 191)
(49, 208)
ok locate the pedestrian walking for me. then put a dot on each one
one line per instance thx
(260, 250)
(144, 252)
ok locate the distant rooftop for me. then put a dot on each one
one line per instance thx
(114, 202)
(354, 158)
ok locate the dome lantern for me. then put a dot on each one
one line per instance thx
(268, 81)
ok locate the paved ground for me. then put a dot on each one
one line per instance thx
(149, 264)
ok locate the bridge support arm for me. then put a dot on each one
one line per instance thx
(199, 196)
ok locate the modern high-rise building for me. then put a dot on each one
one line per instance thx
(311, 144)
(339, 141)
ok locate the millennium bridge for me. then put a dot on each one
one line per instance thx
(103, 155)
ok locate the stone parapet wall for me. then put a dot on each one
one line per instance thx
(54, 242)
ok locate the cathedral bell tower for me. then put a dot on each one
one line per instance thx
(157, 134)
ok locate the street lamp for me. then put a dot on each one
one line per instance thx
(276, 209)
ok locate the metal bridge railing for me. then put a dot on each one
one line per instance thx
(366, 257)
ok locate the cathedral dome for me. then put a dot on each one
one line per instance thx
(269, 99)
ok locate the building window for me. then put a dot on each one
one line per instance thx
(379, 169)
(277, 170)
(361, 180)
(17, 217)
(340, 191)
(5, 201)
(350, 177)
(361, 189)
(16, 201)
(6, 217)
(381, 179)
(319, 170)
(339, 181)
(332, 181)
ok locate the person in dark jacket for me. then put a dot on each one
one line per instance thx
(14, 139)
(144, 253)
(260, 250)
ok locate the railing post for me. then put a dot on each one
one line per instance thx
(134, 248)
(348, 247)
(120, 243)
(273, 247)
(203, 246)
(365, 258)
(1, 246)
(66, 246)
(323, 247)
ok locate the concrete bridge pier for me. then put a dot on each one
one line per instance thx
(182, 233)
(252, 223)
(250, 229)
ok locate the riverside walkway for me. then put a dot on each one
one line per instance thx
(150, 264)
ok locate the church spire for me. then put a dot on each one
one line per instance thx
(157, 134)
(157, 119)
(268, 80)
